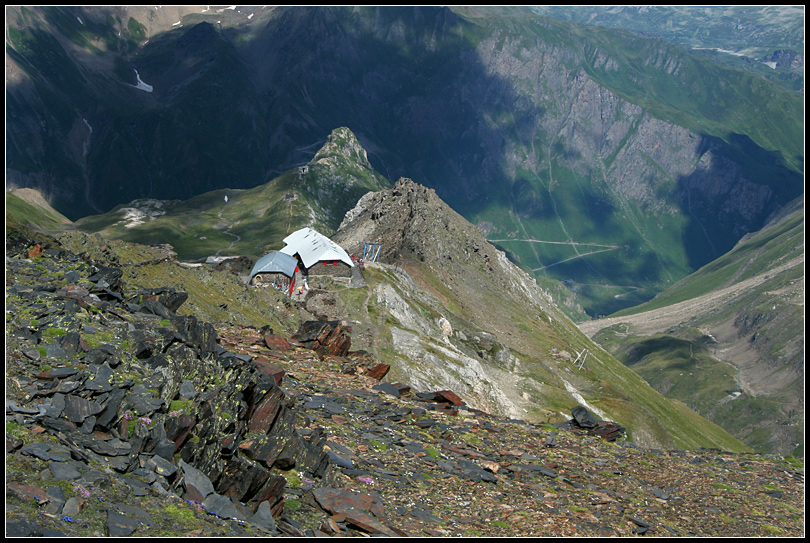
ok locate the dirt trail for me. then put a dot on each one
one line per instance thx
(227, 233)
(660, 320)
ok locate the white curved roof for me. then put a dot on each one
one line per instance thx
(314, 247)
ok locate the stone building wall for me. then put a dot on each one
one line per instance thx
(339, 269)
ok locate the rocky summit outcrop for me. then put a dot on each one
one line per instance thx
(124, 418)
(410, 222)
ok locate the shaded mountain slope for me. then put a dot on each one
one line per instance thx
(577, 147)
(28, 207)
(250, 221)
(745, 314)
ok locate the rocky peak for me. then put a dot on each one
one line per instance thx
(413, 224)
(342, 143)
(410, 221)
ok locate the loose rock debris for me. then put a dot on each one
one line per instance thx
(125, 419)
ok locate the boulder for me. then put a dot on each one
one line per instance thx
(447, 396)
(584, 418)
(365, 511)
(607, 430)
(277, 342)
(325, 337)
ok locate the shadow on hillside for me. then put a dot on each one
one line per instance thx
(406, 81)
(743, 185)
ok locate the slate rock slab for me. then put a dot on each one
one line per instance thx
(28, 492)
(102, 380)
(74, 506)
(187, 390)
(132, 511)
(331, 498)
(584, 418)
(64, 471)
(364, 511)
(57, 373)
(340, 461)
(263, 518)
(118, 525)
(56, 500)
(222, 507)
(364, 520)
(607, 430)
(533, 467)
(272, 370)
(448, 396)
(38, 449)
(22, 528)
(197, 485)
(138, 488)
(12, 406)
(277, 342)
(388, 388)
(421, 514)
(77, 409)
(106, 352)
(161, 466)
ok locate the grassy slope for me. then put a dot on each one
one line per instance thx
(604, 382)
(36, 216)
(260, 217)
(218, 297)
(680, 363)
(196, 227)
(774, 244)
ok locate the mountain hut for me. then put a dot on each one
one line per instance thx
(318, 254)
(276, 269)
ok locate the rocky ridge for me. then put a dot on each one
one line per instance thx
(446, 308)
(125, 419)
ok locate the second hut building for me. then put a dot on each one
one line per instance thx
(317, 254)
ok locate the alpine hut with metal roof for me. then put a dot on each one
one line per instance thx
(275, 269)
(317, 254)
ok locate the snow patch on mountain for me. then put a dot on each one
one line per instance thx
(141, 85)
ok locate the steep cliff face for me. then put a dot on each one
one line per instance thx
(684, 196)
